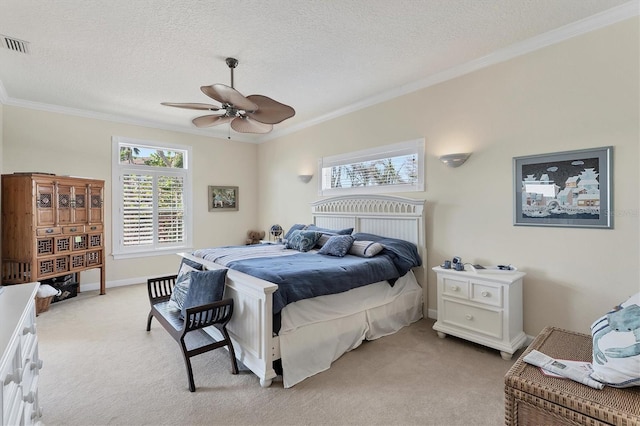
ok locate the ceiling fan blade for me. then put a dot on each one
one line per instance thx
(211, 120)
(247, 125)
(205, 107)
(269, 111)
(228, 95)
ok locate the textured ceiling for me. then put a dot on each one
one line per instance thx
(119, 59)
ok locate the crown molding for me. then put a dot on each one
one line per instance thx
(603, 19)
(117, 118)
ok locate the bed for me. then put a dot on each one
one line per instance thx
(312, 333)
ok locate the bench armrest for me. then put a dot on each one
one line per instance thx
(217, 313)
(160, 288)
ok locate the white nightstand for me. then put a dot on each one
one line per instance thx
(484, 308)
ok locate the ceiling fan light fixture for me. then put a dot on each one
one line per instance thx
(250, 114)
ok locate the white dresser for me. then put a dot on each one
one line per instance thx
(484, 308)
(20, 363)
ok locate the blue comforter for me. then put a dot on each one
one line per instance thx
(304, 275)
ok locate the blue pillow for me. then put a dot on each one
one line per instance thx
(206, 287)
(337, 245)
(195, 265)
(303, 240)
(296, 227)
(181, 288)
(345, 231)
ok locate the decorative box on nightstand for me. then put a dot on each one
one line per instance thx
(483, 308)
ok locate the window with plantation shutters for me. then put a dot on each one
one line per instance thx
(151, 211)
(390, 168)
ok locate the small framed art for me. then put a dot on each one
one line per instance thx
(570, 189)
(223, 198)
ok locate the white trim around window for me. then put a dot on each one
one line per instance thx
(397, 167)
(164, 211)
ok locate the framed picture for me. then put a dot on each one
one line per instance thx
(223, 198)
(570, 189)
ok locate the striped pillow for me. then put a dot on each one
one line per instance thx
(365, 248)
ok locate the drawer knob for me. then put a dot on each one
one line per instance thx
(36, 364)
(485, 294)
(469, 317)
(455, 288)
(74, 229)
(29, 330)
(49, 231)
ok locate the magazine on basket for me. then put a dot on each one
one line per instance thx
(555, 366)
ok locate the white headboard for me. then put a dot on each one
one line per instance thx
(385, 215)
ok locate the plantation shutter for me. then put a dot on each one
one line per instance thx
(137, 214)
(170, 209)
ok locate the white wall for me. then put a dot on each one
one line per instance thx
(581, 93)
(39, 141)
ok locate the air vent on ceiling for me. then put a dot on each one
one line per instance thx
(14, 44)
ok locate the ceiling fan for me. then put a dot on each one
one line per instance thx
(251, 114)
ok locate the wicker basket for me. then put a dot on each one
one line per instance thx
(42, 304)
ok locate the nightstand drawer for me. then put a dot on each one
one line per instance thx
(478, 320)
(455, 288)
(486, 294)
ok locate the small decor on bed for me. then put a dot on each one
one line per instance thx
(254, 237)
(303, 240)
(337, 245)
(616, 345)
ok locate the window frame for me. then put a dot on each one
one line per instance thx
(414, 146)
(119, 250)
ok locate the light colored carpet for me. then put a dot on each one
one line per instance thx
(102, 367)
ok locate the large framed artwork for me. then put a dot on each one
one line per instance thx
(223, 198)
(570, 189)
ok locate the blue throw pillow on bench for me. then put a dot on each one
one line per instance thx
(205, 287)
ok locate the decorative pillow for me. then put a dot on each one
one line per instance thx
(195, 265)
(206, 287)
(345, 231)
(296, 227)
(303, 240)
(616, 345)
(180, 289)
(363, 248)
(323, 240)
(337, 245)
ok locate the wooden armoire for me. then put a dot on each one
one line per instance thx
(51, 226)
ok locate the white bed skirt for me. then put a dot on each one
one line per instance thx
(315, 332)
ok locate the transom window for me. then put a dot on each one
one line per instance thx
(391, 168)
(151, 198)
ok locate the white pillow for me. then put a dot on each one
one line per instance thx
(365, 248)
(180, 289)
(616, 345)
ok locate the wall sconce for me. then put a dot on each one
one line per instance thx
(455, 160)
(305, 178)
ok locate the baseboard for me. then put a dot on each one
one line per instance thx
(110, 284)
